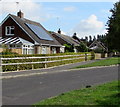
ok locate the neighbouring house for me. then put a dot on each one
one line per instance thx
(24, 36)
(98, 46)
(76, 38)
(65, 39)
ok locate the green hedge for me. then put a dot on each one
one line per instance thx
(37, 55)
(38, 66)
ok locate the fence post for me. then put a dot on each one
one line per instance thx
(17, 67)
(32, 66)
(85, 56)
(1, 64)
(45, 63)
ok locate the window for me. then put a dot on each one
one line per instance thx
(12, 46)
(44, 50)
(24, 51)
(54, 50)
(27, 49)
(10, 30)
(30, 51)
(18, 46)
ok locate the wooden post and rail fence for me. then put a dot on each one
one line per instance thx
(45, 61)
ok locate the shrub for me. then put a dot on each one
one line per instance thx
(37, 66)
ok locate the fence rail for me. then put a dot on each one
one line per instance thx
(42, 57)
(46, 61)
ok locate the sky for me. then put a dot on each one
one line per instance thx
(84, 18)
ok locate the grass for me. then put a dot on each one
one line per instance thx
(105, 62)
(102, 95)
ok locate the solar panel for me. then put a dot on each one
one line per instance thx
(39, 31)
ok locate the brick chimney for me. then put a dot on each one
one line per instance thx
(59, 31)
(20, 14)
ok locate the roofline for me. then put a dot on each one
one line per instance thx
(4, 19)
(92, 43)
(17, 24)
(99, 44)
(57, 34)
(50, 45)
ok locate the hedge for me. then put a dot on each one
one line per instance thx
(38, 66)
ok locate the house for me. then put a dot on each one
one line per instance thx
(98, 46)
(24, 36)
(75, 37)
(65, 39)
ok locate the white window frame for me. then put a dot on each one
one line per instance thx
(44, 50)
(10, 28)
(27, 49)
(54, 50)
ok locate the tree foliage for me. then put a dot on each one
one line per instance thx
(69, 48)
(82, 47)
(113, 36)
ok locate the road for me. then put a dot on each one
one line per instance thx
(32, 89)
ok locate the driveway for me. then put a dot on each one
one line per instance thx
(32, 89)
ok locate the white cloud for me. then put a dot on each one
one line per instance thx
(69, 9)
(90, 26)
(32, 10)
(62, 32)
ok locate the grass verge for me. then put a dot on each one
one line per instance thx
(104, 95)
(105, 62)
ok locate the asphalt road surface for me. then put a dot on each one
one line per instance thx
(32, 89)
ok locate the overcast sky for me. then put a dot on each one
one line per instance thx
(84, 18)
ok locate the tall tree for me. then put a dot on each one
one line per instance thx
(94, 38)
(113, 36)
(90, 38)
(86, 38)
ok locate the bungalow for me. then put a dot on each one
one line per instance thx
(64, 39)
(98, 46)
(24, 36)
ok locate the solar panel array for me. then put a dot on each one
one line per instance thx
(39, 31)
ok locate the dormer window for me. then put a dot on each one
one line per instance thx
(9, 30)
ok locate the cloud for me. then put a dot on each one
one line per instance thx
(32, 10)
(69, 9)
(89, 26)
(62, 32)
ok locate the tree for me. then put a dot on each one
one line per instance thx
(82, 47)
(90, 38)
(113, 36)
(86, 38)
(94, 38)
(69, 48)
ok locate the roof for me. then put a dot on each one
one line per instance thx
(0, 31)
(13, 40)
(22, 23)
(99, 43)
(62, 39)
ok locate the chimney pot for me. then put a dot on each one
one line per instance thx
(59, 31)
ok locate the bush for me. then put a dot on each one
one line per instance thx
(99, 50)
(69, 48)
(92, 55)
(8, 53)
(37, 66)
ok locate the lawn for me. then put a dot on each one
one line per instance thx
(104, 95)
(105, 62)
